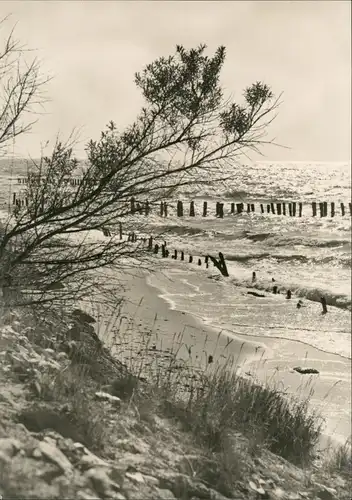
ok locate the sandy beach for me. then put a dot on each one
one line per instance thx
(152, 327)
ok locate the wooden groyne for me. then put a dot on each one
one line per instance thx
(283, 209)
(72, 181)
(220, 209)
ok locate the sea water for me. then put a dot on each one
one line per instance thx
(311, 256)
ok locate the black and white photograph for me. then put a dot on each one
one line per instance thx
(175, 250)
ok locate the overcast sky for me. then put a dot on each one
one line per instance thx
(93, 49)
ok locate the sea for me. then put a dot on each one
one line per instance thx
(310, 256)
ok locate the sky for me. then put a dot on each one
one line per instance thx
(93, 49)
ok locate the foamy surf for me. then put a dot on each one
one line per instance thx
(226, 305)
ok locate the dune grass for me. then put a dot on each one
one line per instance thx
(339, 460)
(211, 402)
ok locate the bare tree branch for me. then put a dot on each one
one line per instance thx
(21, 89)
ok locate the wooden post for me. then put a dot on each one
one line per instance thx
(206, 259)
(165, 209)
(248, 208)
(254, 276)
(179, 209)
(190, 259)
(278, 208)
(290, 209)
(252, 207)
(272, 208)
(294, 209)
(205, 209)
(161, 209)
(300, 208)
(175, 255)
(133, 205)
(199, 262)
(217, 209)
(342, 209)
(332, 209)
(224, 270)
(268, 208)
(147, 208)
(191, 209)
(182, 255)
(14, 199)
(120, 230)
(321, 209)
(325, 209)
(150, 243)
(314, 208)
(275, 289)
(350, 205)
(156, 248)
(221, 210)
(288, 294)
(323, 303)
(284, 209)
(239, 208)
(232, 208)
(163, 251)
(26, 202)
(262, 208)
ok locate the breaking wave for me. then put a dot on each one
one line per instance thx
(314, 294)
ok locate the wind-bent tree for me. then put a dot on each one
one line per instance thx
(186, 133)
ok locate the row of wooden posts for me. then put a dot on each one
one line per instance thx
(74, 181)
(292, 209)
(165, 253)
(220, 263)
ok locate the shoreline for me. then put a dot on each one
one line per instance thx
(151, 326)
(231, 303)
(250, 350)
(203, 322)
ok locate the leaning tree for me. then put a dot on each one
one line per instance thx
(188, 132)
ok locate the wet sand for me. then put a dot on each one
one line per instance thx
(150, 323)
